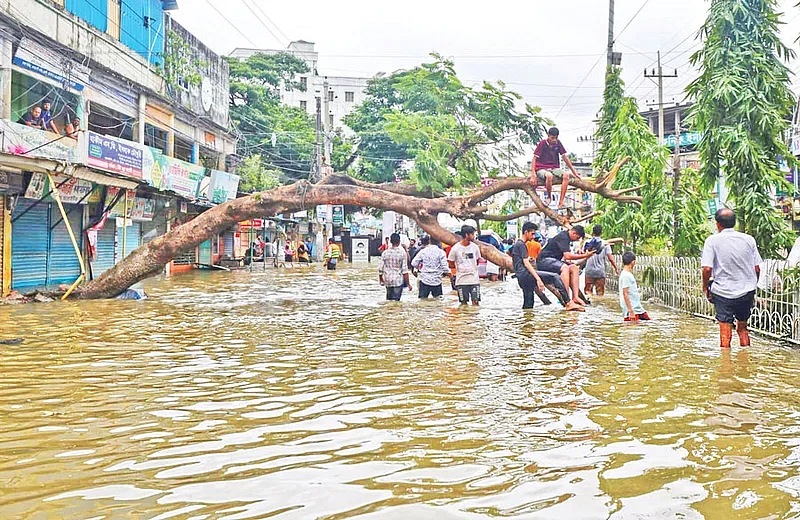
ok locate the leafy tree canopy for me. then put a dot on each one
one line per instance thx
(450, 133)
(743, 101)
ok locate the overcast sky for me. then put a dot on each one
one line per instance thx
(552, 52)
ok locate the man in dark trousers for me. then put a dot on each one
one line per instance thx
(556, 254)
(530, 280)
(731, 267)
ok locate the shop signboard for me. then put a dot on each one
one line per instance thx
(37, 58)
(360, 250)
(713, 206)
(119, 209)
(70, 189)
(24, 140)
(512, 228)
(337, 215)
(181, 177)
(687, 139)
(115, 155)
(223, 187)
(143, 209)
(322, 213)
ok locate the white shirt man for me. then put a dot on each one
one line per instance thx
(432, 265)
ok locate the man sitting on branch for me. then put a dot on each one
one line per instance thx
(546, 165)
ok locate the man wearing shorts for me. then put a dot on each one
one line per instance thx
(557, 252)
(464, 257)
(546, 165)
(595, 271)
(731, 266)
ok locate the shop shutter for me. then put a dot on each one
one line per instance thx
(228, 244)
(29, 241)
(205, 253)
(133, 239)
(63, 264)
(106, 242)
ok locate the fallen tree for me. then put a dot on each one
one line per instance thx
(406, 199)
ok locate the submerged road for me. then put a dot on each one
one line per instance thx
(299, 394)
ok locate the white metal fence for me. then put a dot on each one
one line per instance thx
(677, 283)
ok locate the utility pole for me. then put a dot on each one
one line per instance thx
(610, 50)
(660, 77)
(318, 148)
(326, 124)
(676, 177)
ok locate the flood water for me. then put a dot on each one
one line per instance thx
(299, 394)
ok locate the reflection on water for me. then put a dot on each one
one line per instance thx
(299, 394)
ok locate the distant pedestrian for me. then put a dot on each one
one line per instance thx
(731, 267)
(393, 269)
(310, 248)
(332, 255)
(287, 253)
(464, 257)
(385, 245)
(629, 298)
(431, 263)
(595, 272)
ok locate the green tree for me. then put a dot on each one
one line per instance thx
(449, 133)
(623, 132)
(253, 176)
(743, 101)
(281, 135)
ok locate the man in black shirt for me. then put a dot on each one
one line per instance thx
(530, 280)
(557, 252)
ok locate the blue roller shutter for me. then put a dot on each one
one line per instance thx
(133, 239)
(63, 264)
(106, 243)
(29, 242)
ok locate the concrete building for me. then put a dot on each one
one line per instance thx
(338, 94)
(128, 153)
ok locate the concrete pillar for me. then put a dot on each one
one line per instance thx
(5, 78)
(138, 129)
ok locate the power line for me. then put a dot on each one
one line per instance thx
(231, 23)
(601, 56)
(270, 21)
(262, 22)
(631, 20)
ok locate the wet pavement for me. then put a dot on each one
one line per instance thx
(299, 394)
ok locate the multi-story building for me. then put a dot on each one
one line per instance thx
(137, 130)
(338, 94)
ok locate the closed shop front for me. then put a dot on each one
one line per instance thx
(133, 239)
(63, 264)
(30, 237)
(204, 253)
(106, 248)
(228, 243)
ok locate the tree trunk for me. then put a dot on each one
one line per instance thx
(405, 199)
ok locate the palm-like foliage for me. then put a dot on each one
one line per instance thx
(743, 101)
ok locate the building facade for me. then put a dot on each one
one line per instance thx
(338, 94)
(125, 151)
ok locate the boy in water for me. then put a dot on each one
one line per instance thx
(629, 298)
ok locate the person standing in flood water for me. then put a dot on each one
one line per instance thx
(393, 270)
(731, 266)
(464, 257)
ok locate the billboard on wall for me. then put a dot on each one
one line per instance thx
(181, 177)
(223, 187)
(116, 155)
(18, 139)
(37, 58)
(70, 189)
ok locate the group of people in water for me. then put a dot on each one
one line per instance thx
(730, 262)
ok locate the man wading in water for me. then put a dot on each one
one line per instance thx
(731, 267)
(464, 257)
(393, 271)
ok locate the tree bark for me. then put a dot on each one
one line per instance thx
(151, 258)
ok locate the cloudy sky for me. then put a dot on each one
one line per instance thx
(552, 52)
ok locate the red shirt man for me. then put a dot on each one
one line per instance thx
(546, 165)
